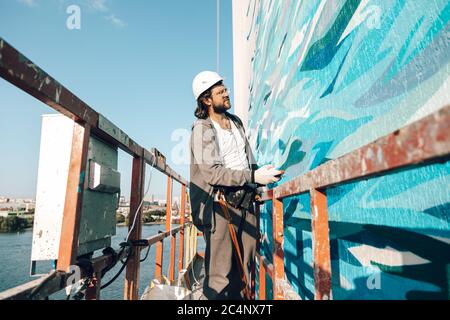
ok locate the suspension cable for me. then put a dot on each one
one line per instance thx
(218, 36)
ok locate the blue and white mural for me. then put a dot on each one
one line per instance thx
(316, 79)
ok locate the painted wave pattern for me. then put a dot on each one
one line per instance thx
(329, 77)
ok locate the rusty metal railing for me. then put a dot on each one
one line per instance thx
(24, 74)
(424, 141)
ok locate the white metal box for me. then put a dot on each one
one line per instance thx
(100, 198)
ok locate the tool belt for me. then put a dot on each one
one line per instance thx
(240, 197)
(237, 252)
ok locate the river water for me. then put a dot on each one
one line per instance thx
(15, 253)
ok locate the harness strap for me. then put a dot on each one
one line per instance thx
(237, 250)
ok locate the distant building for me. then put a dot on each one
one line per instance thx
(162, 203)
(4, 200)
(124, 207)
(123, 210)
(175, 209)
(30, 207)
(123, 202)
(9, 206)
(17, 205)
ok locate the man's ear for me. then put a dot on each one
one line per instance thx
(207, 101)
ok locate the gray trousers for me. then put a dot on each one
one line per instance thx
(222, 277)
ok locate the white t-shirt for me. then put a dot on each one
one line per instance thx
(232, 147)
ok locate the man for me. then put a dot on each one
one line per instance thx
(221, 159)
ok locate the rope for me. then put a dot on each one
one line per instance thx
(237, 250)
(193, 276)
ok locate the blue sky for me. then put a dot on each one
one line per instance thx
(132, 61)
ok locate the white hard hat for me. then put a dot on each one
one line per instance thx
(203, 81)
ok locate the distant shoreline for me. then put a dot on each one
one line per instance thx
(123, 224)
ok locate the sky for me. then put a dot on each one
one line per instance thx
(132, 61)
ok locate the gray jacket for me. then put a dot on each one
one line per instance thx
(207, 171)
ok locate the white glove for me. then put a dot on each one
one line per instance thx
(266, 174)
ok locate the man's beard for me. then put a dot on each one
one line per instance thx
(222, 108)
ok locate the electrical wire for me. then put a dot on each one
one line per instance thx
(142, 201)
(121, 269)
(146, 255)
(124, 263)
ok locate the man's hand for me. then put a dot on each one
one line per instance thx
(267, 174)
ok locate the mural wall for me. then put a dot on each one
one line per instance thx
(315, 80)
